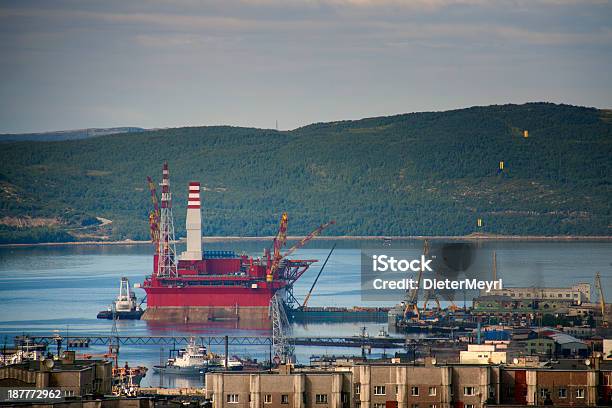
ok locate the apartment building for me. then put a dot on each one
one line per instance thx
(381, 385)
(284, 389)
(563, 383)
(74, 377)
(399, 385)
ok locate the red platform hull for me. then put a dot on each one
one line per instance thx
(232, 288)
(210, 296)
(244, 307)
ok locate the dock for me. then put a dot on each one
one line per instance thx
(338, 314)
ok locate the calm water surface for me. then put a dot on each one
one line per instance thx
(43, 289)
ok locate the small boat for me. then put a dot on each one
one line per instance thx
(218, 364)
(196, 360)
(126, 305)
(193, 360)
(363, 333)
(382, 333)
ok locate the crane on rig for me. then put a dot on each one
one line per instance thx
(281, 240)
(317, 231)
(283, 348)
(602, 300)
(154, 214)
(307, 298)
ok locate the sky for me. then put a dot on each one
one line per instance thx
(69, 64)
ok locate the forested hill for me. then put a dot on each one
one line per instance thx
(430, 173)
(65, 134)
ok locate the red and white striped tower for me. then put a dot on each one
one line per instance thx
(193, 224)
(166, 265)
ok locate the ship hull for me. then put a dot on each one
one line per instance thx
(249, 307)
(244, 315)
(208, 296)
(187, 371)
(131, 315)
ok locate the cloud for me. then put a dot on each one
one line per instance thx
(243, 61)
(192, 29)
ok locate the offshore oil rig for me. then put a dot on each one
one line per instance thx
(199, 285)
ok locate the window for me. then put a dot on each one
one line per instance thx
(357, 389)
(284, 399)
(432, 391)
(379, 390)
(468, 391)
(414, 391)
(469, 405)
(377, 405)
(579, 393)
(268, 399)
(562, 393)
(415, 405)
(232, 398)
(543, 392)
(321, 398)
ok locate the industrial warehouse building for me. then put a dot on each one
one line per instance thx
(398, 385)
(578, 293)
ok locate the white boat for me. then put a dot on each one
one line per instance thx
(192, 360)
(196, 360)
(125, 306)
(218, 363)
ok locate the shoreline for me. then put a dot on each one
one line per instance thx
(541, 238)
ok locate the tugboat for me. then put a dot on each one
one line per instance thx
(195, 360)
(126, 305)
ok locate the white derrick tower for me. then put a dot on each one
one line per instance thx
(166, 265)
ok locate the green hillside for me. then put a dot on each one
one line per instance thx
(65, 134)
(430, 173)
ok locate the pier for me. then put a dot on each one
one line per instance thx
(99, 340)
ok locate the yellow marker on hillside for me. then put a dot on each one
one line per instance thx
(501, 165)
(479, 222)
(525, 134)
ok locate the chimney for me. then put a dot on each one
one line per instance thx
(68, 357)
(194, 224)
